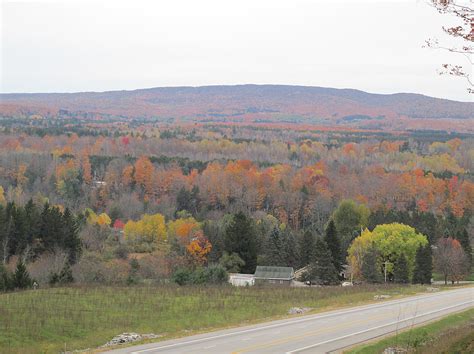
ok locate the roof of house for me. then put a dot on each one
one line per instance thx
(270, 272)
(240, 275)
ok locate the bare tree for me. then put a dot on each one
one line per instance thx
(47, 264)
(450, 259)
(463, 34)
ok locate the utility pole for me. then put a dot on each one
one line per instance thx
(385, 269)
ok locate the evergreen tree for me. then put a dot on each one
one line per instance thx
(114, 214)
(9, 223)
(21, 277)
(400, 270)
(240, 238)
(32, 221)
(332, 240)
(133, 277)
(306, 248)
(231, 262)
(463, 238)
(188, 200)
(290, 255)
(5, 279)
(322, 270)
(274, 252)
(370, 270)
(65, 276)
(19, 231)
(183, 200)
(422, 273)
(71, 241)
(50, 228)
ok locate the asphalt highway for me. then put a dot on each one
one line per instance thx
(322, 333)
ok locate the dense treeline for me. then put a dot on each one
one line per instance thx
(30, 231)
(51, 241)
(152, 201)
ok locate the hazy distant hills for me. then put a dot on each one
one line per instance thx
(240, 103)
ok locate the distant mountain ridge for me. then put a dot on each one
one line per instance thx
(244, 102)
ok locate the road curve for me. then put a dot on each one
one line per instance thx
(321, 333)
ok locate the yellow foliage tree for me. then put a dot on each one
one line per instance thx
(390, 241)
(21, 179)
(150, 228)
(3, 201)
(93, 219)
(91, 216)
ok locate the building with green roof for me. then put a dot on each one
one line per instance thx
(274, 275)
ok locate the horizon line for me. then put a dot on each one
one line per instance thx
(225, 85)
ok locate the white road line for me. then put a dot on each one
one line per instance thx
(305, 319)
(210, 346)
(378, 327)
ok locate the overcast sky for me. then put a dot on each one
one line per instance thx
(376, 46)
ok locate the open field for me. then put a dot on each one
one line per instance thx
(452, 334)
(49, 320)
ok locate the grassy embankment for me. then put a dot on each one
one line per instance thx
(51, 320)
(452, 334)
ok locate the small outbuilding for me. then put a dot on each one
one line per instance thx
(270, 275)
(237, 279)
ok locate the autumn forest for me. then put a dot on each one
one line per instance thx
(115, 199)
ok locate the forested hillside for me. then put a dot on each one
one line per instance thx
(121, 201)
(251, 103)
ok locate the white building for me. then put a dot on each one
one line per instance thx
(237, 279)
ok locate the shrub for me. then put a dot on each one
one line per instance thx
(214, 274)
(182, 276)
(133, 277)
(121, 252)
(63, 277)
(48, 266)
(6, 282)
(89, 269)
(21, 277)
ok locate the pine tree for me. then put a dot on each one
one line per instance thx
(6, 231)
(240, 238)
(133, 277)
(306, 248)
(370, 270)
(183, 199)
(400, 270)
(188, 200)
(274, 252)
(334, 245)
(5, 279)
(19, 240)
(65, 276)
(463, 238)
(322, 270)
(21, 277)
(290, 256)
(32, 220)
(71, 241)
(423, 265)
(51, 228)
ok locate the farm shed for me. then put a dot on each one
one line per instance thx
(274, 275)
(241, 279)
